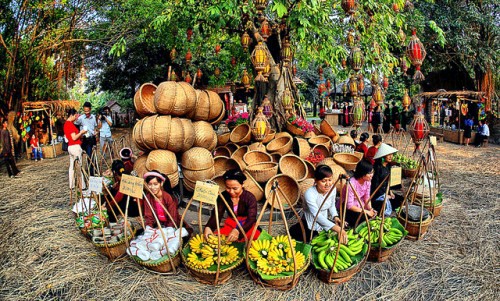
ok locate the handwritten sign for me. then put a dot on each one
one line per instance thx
(131, 186)
(95, 184)
(395, 176)
(433, 140)
(206, 193)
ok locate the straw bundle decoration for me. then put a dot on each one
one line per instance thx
(253, 157)
(204, 135)
(280, 145)
(262, 172)
(223, 139)
(144, 100)
(197, 158)
(328, 130)
(301, 147)
(288, 189)
(241, 134)
(238, 156)
(293, 166)
(348, 161)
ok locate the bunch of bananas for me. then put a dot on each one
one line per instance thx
(390, 234)
(275, 256)
(204, 253)
(325, 247)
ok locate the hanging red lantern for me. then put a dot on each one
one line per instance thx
(395, 7)
(265, 30)
(322, 112)
(320, 70)
(419, 128)
(357, 59)
(173, 54)
(217, 49)
(321, 89)
(349, 6)
(199, 74)
(385, 82)
(406, 102)
(233, 61)
(373, 104)
(416, 53)
(189, 57)
(245, 40)
(189, 34)
(188, 78)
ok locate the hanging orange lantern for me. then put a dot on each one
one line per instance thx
(265, 30)
(217, 49)
(189, 34)
(199, 74)
(361, 83)
(378, 95)
(245, 79)
(395, 7)
(328, 85)
(349, 6)
(294, 70)
(188, 78)
(416, 53)
(260, 125)
(217, 72)
(173, 54)
(259, 57)
(419, 128)
(353, 86)
(385, 82)
(189, 57)
(245, 40)
(406, 102)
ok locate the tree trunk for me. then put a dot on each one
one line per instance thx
(486, 84)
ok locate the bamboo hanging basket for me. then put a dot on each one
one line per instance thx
(197, 158)
(253, 157)
(409, 173)
(280, 145)
(341, 276)
(144, 100)
(289, 189)
(347, 161)
(293, 166)
(262, 172)
(414, 228)
(241, 134)
(301, 147)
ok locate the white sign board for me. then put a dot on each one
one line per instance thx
(95, 184)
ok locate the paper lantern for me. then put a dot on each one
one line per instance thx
(357, 59)
(260, 125)
(416, 53)
(173, 54)
(419, 128)
(259, 57)
(349, 6)
(358, 113)
(245, 40)
(406, 102)
(189, 57)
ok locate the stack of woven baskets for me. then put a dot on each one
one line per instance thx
(176, 119)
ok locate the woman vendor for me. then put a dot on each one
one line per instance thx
(377, 141)
(119, 199)
(314, 197)
(243, 204)
(127, 157)
(362, 147)
(361, 182)
(382, 169)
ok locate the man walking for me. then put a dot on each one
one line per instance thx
(7, 151)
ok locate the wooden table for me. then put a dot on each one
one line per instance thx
(333, 118)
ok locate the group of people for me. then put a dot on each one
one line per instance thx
(482, 135)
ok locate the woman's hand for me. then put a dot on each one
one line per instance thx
(370, 212)
(207, 232)
(339, 222)
(233, 236)
(342, 236)
(391, 195)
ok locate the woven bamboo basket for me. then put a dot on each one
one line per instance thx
(190, 99)
(223, 139)
(175, 141)
(360, 155)
(375, 256)
(282, 134)
(162, 131)
(285, 282)
(413, 227)
(321, 149)
(136, 136)
(289, 189)
(337, 171)
(222, 151)
(219, 180)
(165, 97)
(204, 135)
(304, 185)
(216, 105)
(255, 156)
(346, 139)
(409, 173)
(310, 169)
(163, 161)
(202, 108)
(115, 250)
(257, 146)
(262, 172)
(199, 175)
(347, 161)
(148, 130)
(293, 166)
(294, 130)
(241, 134)
(280, 145)
(218, 119)
(197, 158)
(253, 186)
(174, 98)
(223, 164)
(173, 178)
(276, 157)
(328, 161)
(309, 135)
(269, 136)
(188, 184)
(144, 100)
(164, 266)
(301, 147)
(328, 130)
(341, 276)
(321, 140)
(140, 165)
(188, 130)
(238, 156)
(232, 147)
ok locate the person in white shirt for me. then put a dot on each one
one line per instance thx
(104, 123)
(483, 133)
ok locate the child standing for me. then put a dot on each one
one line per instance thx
(35, 148)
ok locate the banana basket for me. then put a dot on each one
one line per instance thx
(209, 275)
(285, 279)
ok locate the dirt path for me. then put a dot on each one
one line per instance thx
(45, 258)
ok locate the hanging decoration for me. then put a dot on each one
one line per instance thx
(376, 51)
(378, 95)
(260, 5)
(259, 57)
(245, 79)
(217, 49)
(267, 107)
(402, 36)
(189, 34)
(406, 102)
(375, 78)
(353, 85)
(265, 30)
(385, 83)
(358, 112)
(287, 100)
(409, 5)
(260, 125)
(233, 61)
(419, 128)
(357, 59)
(294, 70)
(286, 52)
(245, 40)
(361, 83)
(188, 78)
(395, 7)
(403, 65)
(217, 72)
(320, 71)
(189, 57)
(173, 54)
(199, 74)
(349, 6)
(416, 53)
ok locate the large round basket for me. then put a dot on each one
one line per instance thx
(223, 164)
(280, 145)
(347, 161)
(197, 158)
(222, 139)
(282, 134)
(204, 135)
(360, 155)
(301, 147)
(346, 139)
(341, 276)
(162, 265)
(140, 165)
(216, 105)
(328, 130)
(294, 167)
(270, 136)
(241, 134)
(144, 100)
(188, 184)
(321, 140)
(413, 227)
(276, 157)
(310, 169)
(322, 150)
(137, 137)
(294, 130)
(253, 186)
(262, 172)
(202, 108)
(253, 157)
(288, 189)
(232, 147)
(115, 250)
(221, 151)
(409, 173)
(148, 130)
(162, 131)
(174, 98)
(238, 156)
(199, 175)
(161, 160)
(257, 146)
(337, 171)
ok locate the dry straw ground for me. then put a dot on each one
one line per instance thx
(43, 256)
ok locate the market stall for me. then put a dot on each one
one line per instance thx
(38, 118)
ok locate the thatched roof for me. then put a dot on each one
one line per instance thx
(469, 95)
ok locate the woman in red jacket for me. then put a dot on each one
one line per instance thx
(73, 136)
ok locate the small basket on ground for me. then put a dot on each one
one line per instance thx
(410, 173)
(294, 167)
(301, 147)
(253, 157)
(115, 250)
(162, 265)
(280, 145)
(269, 136)
(223, 139)
(347, 161)
(241, 134)
(328, 130)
